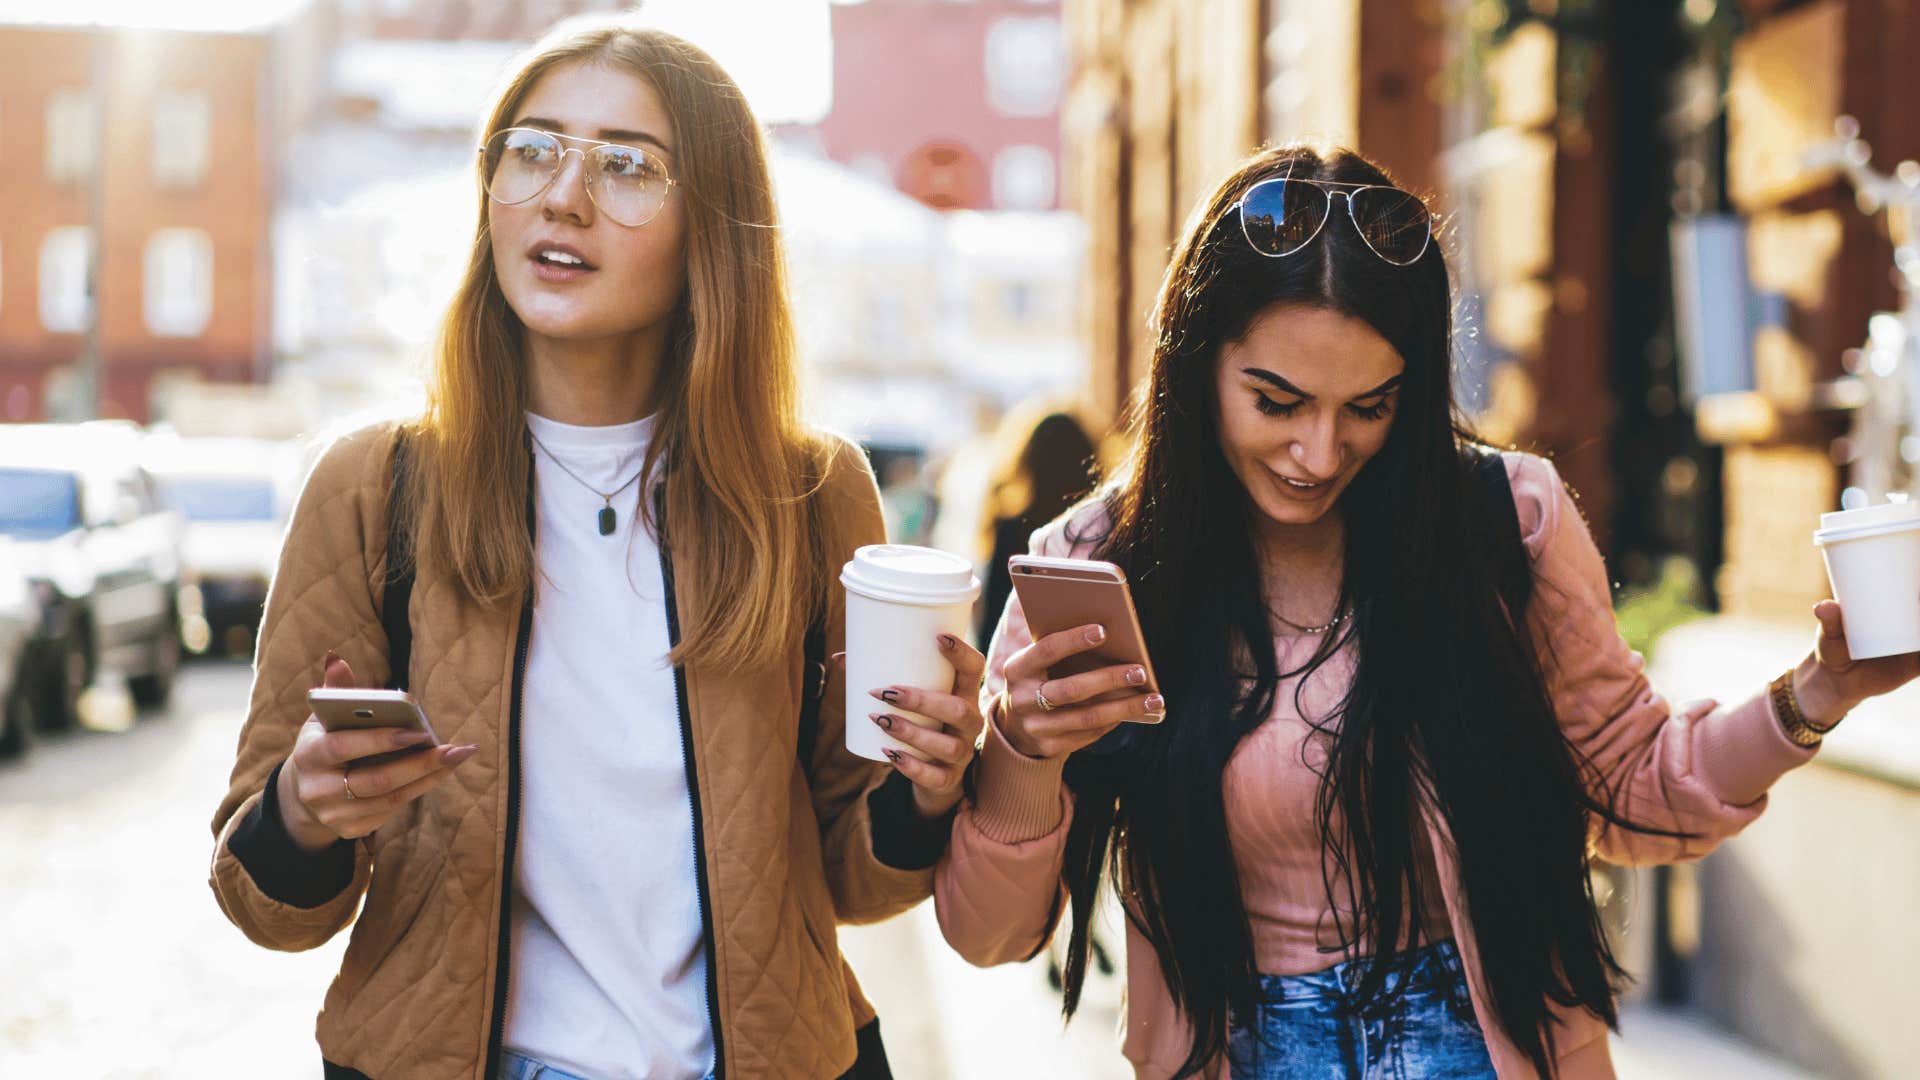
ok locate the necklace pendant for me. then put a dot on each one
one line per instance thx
(607, 521)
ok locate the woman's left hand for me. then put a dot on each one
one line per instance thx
(1830, 681)
(948, 749)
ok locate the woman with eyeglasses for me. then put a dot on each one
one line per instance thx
(1396, 718)
(602, 561)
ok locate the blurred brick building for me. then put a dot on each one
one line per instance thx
(956, 104)
(1577, 150)
(162, 140)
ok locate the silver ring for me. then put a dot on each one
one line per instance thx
(1040, 699)
(343, 783)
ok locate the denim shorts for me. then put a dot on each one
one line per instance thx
(1305, 1026)
(521, 1067)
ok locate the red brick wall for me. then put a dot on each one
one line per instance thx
(908, 74)
(232, 204)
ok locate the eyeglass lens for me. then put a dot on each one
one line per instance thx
(1280, 217)
(627, 184)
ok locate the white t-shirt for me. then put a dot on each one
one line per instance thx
(609, 963)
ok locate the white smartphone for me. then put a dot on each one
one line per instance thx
(1060, 594)
(353, 708)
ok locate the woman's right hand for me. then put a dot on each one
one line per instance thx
(325, 798)
(1074, 721)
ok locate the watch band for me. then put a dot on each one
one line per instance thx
(1786, 707)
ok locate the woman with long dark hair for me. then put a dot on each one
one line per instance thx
(1398, 720)
(603, 561)
(1049, 466)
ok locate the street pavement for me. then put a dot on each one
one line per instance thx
(115, 961)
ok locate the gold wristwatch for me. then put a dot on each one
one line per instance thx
(1786, 706)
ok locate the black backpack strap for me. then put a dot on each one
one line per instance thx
(813, 689)
(1514, 565)
(398, 593)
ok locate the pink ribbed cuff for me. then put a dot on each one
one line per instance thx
(1019, 798)
(1740, 752)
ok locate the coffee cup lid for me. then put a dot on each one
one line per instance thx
(905, 574)
(1867, 521)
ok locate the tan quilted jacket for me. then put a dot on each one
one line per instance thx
(785, 860)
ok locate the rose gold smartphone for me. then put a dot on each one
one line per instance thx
(1060, 594)
(342, 708)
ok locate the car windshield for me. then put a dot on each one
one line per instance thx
(36, 504)
(219, 498)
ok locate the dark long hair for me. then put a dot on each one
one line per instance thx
(1448, 708)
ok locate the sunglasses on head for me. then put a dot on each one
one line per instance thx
(1282, 215)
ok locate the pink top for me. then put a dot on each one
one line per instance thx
(1703, 770)
(1272, 787)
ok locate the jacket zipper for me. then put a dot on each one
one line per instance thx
(693, 796)
(496, 1038)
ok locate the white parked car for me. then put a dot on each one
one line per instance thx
(235, 495)
(101, 555)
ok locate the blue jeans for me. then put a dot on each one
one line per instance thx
(521, 1067)
(1305, 1026)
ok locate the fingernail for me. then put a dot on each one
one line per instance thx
(331, 657)
(889, 695)
(1096, 634)
(1136, 676)
(885, 721)
(840, 659)
(460, 753)
(892, 755)
(1156, 703)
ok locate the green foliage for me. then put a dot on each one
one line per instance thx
(1674, 598)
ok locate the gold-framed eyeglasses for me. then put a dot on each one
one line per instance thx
(626, 183)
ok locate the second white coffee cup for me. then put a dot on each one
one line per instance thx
(1873, 564)
(899, 600)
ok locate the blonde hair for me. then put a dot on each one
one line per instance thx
(738, 462)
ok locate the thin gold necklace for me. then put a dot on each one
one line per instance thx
(608, 519)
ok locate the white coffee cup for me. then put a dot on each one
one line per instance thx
(1873, 564)
(899, 600)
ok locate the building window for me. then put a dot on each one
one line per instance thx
(179, 282)
(1023, 178)
(1025, 64)
(182, 134)
(65, 304)
(71, 136)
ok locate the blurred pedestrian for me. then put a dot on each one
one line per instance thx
(1397, 718)
(1046, 467)
(906, 500)
(602, 561)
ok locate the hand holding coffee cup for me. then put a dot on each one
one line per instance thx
(1043, 718)
(907, 608)
(935, 758)
(1869, 641)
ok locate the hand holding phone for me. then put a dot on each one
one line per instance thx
(1087, 670)
(359, 759)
